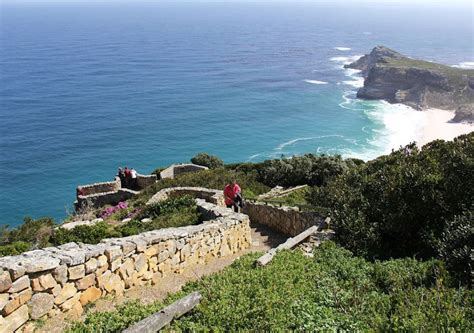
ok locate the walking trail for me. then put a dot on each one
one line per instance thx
(263, 239)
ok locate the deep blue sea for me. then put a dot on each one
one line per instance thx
(85, 88)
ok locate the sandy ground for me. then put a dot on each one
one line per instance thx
(263, 239)
(437, 126)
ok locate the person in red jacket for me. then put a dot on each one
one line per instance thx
(233, 196)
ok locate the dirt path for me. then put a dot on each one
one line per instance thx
(263, 239)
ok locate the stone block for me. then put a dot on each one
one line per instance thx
(114, 283)
(115, 264)
(60, 274)
(5, 281)
(151, 251)
(90, 295)
(4, 300)
(163, 255)
(113, 252)
(86, 282)
(20, 284)
(102, 261)
(76, 272)
(25, 295)
(39, 263)
(102, 279)
(140, 262)
(56, 290)
(76, 311)
(15, 320)
(153, 264)
(40, 304)
(43, 282)
(70, 302)
(68, 291)
(127, 268)
(11, 306)
(91, 265)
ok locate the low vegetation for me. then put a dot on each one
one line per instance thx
(334, 291)
(410, 203)
(210, 161)
(34, 234)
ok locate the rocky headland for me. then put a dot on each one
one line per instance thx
(420, 84)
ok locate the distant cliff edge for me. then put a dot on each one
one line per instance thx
(420, 84)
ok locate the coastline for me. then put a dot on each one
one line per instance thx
(437, 125)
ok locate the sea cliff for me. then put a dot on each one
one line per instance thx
(420, 84)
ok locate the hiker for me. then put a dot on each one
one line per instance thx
(133, 176)
(233, 196)
(127, 176)
(121, 175)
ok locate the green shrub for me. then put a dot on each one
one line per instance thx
(335, 291)
(398, 205)
(455, 246)
(88, 234)
(203, 159)
(300, 170)
(14, 248)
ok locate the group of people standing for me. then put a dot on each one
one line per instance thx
(233, 196)
(128, 178)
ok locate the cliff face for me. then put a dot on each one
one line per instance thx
(420, 84)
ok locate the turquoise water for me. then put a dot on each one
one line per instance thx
(86, 88)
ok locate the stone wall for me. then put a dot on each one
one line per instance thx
(287, 220)
(96, 188)
(64, 279)
(178, 169)
(210, 195)
(108, 193)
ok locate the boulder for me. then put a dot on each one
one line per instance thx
(40, 304)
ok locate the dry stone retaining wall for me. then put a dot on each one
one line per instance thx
(64, 279)
(213, 196)
(287, 220)
(178, 169)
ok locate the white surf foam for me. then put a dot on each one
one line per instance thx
(315, 82)
(465, 64)
(341, 48)
(357, 83)
(345, 60)
(253, 157)
(292, 142)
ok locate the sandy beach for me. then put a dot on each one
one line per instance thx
(437, 126)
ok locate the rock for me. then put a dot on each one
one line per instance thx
(76, 272)
(113, 252)
(60, 274)
(102, 279)
(128, 219)
(114, 283)
(86, 282)
(25, 296)
(40, 304)
(5, 281)
(146, 220)
(43, 282)
(419, 84)
(91, 265)
(11, 306)
(15, 320)
(90, 295)
(39, 263)
(56, 290)
(140, 262)
(3, 300)
(20, 284)
(102, 261)
(70, 302)
(76, 311)
(68, 291)
(115, 264)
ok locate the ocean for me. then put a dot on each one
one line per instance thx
(86, 88)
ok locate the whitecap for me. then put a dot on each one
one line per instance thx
(341, 48)
(292, 142)
(253, 157)
(465, 65)
(357, 83)
(315, 82)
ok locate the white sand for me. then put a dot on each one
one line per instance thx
(437, 126)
